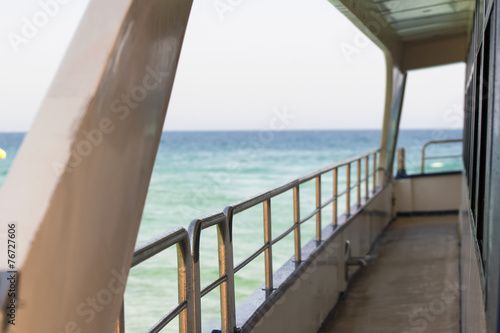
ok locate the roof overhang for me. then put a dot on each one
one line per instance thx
(416, 33)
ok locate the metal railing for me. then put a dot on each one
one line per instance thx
(186, 272)
(433, 142)
(190, 292)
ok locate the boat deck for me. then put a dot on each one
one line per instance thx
(411, 286)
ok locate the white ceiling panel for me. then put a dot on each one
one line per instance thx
(423, 19)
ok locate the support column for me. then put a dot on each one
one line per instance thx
(374, 25)
(77, 189)
(395, 87)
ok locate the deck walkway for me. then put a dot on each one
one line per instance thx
(411, 286)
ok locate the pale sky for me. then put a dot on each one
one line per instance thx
(238, 67)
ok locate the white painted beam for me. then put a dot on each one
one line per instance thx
(435, 52)
(77, 188)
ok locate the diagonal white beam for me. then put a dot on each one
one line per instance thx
(77, 188)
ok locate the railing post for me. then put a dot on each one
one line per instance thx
(358, 199)
(374, 185)
(226, 267)
(401, 159)
(185, 310)
(268, 253)
(366, 177)
(335, 201)
(194, 237)
(296, 217)
(348, 190)
(401, 163)
(120, 324)
(186, 293)
(318, 207)
(422, 168)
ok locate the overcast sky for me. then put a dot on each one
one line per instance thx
(237, 67)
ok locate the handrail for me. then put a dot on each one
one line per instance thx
(333, 166)
(223, 223)
(185, 309)
(188, 242)
(157, 245)
(266, 196)
(257, 199)
(424, 158)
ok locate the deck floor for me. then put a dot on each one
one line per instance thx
(412, 284)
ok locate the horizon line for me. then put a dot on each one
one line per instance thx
(284, 130)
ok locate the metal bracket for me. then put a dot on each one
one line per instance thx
(353, 261)
(358, 261)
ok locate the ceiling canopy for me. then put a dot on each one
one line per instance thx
(415, 33)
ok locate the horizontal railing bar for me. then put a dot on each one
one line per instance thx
(342, 193)
(314, 212)
(361, 181)
(308, 217)
(432, 142)
(284, 234)
(243, 205)
(364, 179)
(213, 285)
(168, 318)
(329, 168)
(157, 245)
(253, 201)
(329, 201)
(211, 220)
(424, 147)
(326, 203)
(440, 157)
(251, 257)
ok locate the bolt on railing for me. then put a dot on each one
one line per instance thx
(188, 244)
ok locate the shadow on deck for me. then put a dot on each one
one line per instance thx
(412, 286)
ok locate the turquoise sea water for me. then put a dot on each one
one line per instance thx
(197, 173)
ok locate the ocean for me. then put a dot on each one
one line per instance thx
(197, 173)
